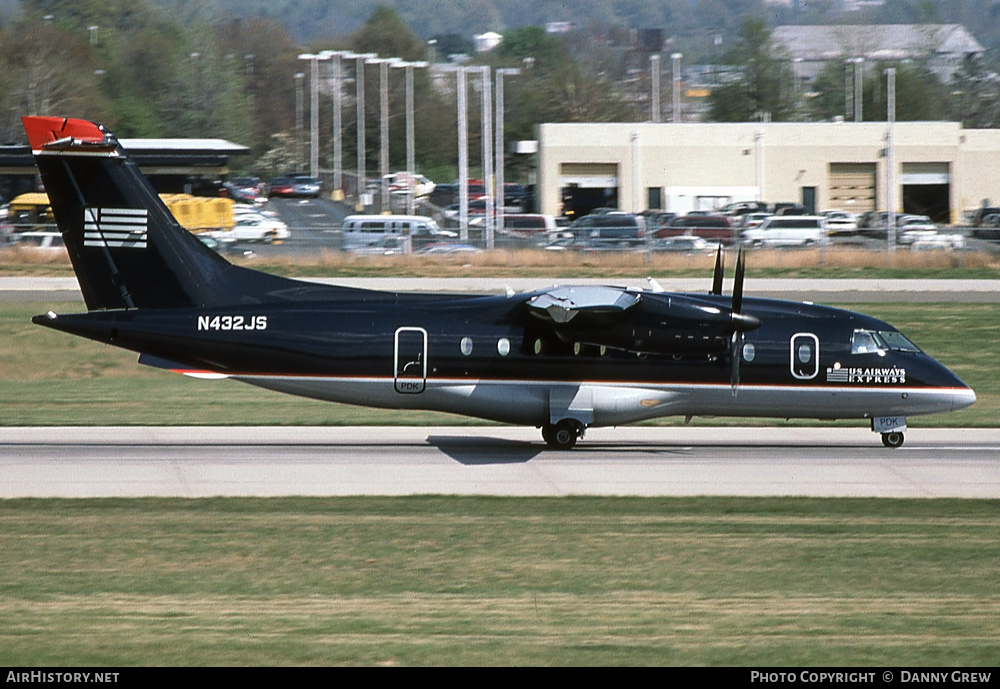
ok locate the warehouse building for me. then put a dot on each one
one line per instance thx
(941, 169)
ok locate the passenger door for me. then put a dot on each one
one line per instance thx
(410, 360)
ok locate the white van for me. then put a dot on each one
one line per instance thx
(363, 231)
(788, 230)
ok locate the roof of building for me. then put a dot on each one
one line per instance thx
(875, 42)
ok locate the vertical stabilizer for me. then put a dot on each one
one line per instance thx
(128, 251)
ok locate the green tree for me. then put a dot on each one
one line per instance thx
(975, 94)
(763, 83)
(919, 93)
(47, 70)
(268, 59)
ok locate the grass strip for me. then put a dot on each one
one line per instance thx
(502, 581)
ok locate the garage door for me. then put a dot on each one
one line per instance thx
(588, 175)
(852, 187)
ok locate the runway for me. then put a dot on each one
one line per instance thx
(495, 460)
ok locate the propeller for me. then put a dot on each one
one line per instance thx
(742, 322)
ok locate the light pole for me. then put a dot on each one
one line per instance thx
(410, 144)
(463, 157)
(298, 118)
(654, 85)
(676, 58)
(359, 84)
(487, 135)
(890, 158)
(858, 83)
(314, 60)
(499, 151)
(463, 149)
(383, 101)
(338, 104)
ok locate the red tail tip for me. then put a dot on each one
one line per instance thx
(45, 130)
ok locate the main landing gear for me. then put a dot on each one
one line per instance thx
(893, 439)
(563, 434)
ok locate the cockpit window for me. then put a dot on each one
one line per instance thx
(872, 342)
(865, 342)
(896, 341)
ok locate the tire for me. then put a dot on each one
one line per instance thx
(562, 435)
(893, 439)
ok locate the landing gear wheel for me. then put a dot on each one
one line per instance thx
(894, 439)
(562, 435)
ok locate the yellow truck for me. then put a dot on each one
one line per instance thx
(31, 211)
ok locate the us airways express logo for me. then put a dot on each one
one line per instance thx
(866, 376)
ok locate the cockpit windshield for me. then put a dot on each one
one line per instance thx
(874, 342)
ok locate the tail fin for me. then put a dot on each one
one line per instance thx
(128, 251)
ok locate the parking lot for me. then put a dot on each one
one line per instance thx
(315, 225)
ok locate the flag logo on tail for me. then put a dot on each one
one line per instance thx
(125, 228)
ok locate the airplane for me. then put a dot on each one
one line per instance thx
(563, 359)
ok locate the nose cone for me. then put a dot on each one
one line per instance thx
(962, 398)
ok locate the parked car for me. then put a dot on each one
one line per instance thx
(612, 228)
(391, 245)
(362, 231)
(840, 223)
(743, 208)
(280, 186)
(980, 214)
(938, 242)
(252, 227)
(245, 190)
(753, 220)
(402, 182)
(684, 244)
(304, 186)
(295, 186)
(448, 248)
(788, 230)
(529, 224)
(476, 207)
(657, 220)
(988, 227)
(911, 228)
(717, 228)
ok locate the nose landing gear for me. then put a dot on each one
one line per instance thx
(893, 439)
(891, 428)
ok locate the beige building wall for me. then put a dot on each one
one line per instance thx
(777, 160)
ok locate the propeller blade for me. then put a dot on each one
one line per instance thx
(720, 266)
(734, 379)
(738, 284)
